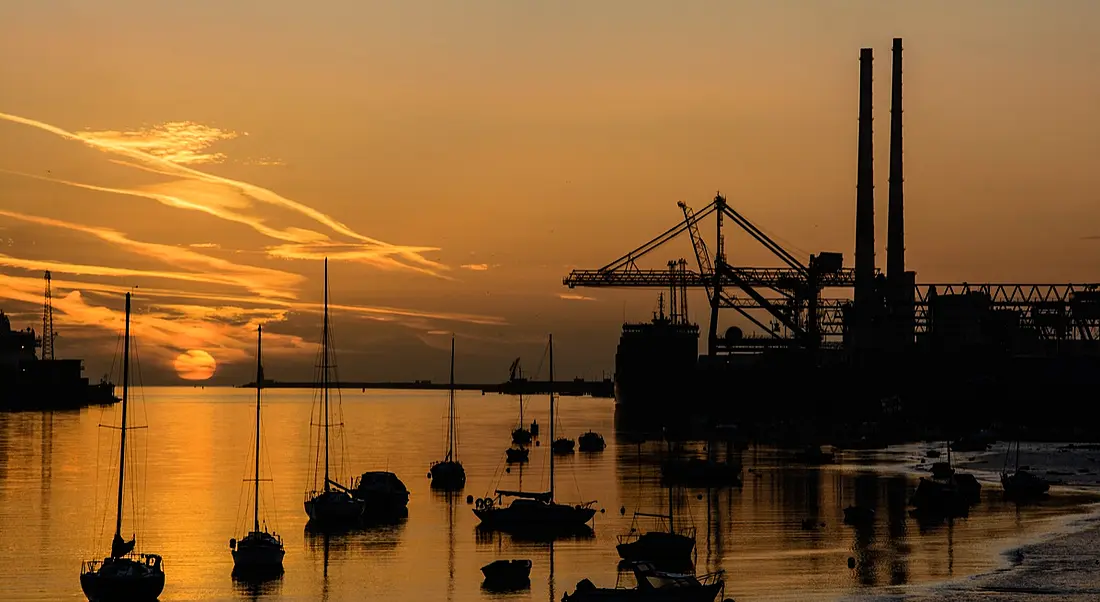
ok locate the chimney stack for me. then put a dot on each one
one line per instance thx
(895, 237)
(865, 200)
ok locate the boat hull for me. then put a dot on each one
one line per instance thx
(258, 557)
(448, 476)
(659, 547)
(334, 508)
(123, 580)
(536, 517)
(706, 593)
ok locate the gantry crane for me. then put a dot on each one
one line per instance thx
(792, 295)
(789, 294)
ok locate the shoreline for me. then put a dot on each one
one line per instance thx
(1060, 562)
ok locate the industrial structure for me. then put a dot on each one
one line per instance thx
(843, 332)
(31, 382)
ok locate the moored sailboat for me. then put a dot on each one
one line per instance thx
(535, 511)
(329, 503)
(1019, 484)
(449, 474)
(124, 575)
(259, 551)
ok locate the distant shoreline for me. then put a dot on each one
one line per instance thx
(576, 387)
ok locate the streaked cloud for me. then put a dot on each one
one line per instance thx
(574, 297)
(183, 142)
(228, 198)
(475, 267)
(201, 268)
(204, 245)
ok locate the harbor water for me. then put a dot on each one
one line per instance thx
(780, 536)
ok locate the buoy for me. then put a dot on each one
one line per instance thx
(508, 470)
(851, 562)
(699, 496)
(603, 510)
(469, 499)
(622, 510)
(429, 475)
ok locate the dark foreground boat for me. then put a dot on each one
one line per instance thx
(329, 505)
(384, 496)
(258, 552)
(591, 442)
(1021, 485)
(653, 586)
(123, 576)
(449, 475)
(666, 547)
(517, 455)
(535, 511)
(507, 574)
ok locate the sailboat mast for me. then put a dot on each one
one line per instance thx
(551, 418)
(671, 529)
(324, 372)
(259, 385)
(451, 413)
(125, 406)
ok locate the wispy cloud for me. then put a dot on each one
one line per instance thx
(574, 297)
(231, 198)
(203, 268)
(1097, 237)
(204, 245)
(183, 142)
(475, 267)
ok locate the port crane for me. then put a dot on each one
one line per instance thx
(791, 295)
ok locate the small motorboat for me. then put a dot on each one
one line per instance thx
(562, 446)
(383, 495)
(858, 515)
(591, 442)
(653, 585)
(521, 436)
(507, 574)
(517, 455)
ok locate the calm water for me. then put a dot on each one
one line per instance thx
(56, 491)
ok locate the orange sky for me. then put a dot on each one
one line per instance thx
(457, 159)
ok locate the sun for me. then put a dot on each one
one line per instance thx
(195, 365)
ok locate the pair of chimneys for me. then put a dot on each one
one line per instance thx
(865, 194)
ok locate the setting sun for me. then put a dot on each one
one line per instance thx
(195, 365)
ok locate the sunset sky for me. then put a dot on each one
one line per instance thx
(456, 159)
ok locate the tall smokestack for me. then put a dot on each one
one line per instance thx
(865, 195)
(895, 236)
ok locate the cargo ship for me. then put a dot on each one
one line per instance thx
(31, 383)
(656, 360)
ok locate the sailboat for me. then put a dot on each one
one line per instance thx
(331, 505)
(1021, 484)
(520, 435)
(535, 510)
(124, 575)
(667, 548)
(449, 474)
(258, 551)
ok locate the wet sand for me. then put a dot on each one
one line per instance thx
(1061, 564)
